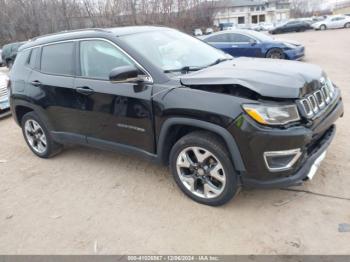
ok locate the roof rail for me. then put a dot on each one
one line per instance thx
(70, 31)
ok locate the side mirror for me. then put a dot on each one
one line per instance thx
(124, 74)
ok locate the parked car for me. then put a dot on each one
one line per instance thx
(4, 95)
(226, 26)
(209, 31)
(291, 26)
(1, 63)
(254, 44)
(220, 123)
(262, 27)
(9, 53)
(197, 32)
(332, 22)
(347, 14)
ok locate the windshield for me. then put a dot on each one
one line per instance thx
(172, 50)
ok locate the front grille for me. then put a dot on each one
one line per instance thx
(316, 102)
(3, 92)
(3, 89)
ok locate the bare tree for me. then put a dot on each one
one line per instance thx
(25, 19)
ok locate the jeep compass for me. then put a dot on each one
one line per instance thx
(219, 122)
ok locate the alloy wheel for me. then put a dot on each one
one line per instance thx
(276, 55)
(201, 172)
(35, 136)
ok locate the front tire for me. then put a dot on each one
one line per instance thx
(38, 137)
(323, 27)
(203, 170)
(275, 53)
(347, 25)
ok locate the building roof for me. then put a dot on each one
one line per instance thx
(238, 3)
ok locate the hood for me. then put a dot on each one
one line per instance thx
(267, 77)
(288, 41)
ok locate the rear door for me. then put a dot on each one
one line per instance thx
(114, 113)
(52, 88)
(340, 22)
(335, 22)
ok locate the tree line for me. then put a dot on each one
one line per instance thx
(21, 20)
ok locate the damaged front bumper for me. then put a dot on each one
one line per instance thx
(308, 143)
(307, 170)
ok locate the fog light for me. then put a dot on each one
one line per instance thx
(277, 161)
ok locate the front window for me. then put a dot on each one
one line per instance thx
(98, 58)
(173, 50)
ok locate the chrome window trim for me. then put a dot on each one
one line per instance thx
(149, 76)
(296, 152)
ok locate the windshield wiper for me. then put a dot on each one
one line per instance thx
(187, 69)
(184, 69)
(220, 60)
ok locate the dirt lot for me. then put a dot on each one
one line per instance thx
(86, 201)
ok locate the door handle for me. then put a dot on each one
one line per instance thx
(85, 90)
(36, 83)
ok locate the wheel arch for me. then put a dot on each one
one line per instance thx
(21, 107)
(275, 47)
(20, 111)
(169, 135)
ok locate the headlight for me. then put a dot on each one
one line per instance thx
(272, 115)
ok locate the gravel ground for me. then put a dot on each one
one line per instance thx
(86, 201)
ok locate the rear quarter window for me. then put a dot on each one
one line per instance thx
(33, 58)
(58, 59)
(222, 38)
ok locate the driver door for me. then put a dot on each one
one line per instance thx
(115, 112)
(245, 45)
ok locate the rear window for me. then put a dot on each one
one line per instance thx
(221, 38)
(238, 38)
(32, 61)
(58, 59)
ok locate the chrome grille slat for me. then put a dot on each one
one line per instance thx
(318, 101)
(3, 92)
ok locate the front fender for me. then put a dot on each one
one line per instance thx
(222, 132)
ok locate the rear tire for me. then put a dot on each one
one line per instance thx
(275, 53)
(203, 169)
(38, 137)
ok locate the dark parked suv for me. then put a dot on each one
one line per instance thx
(220, 123)
(9, 53)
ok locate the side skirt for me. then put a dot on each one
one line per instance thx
(70, 138)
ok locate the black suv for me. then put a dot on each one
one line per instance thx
(220, 123)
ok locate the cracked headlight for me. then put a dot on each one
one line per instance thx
(271, 114)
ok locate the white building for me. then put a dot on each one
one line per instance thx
(248, 12)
